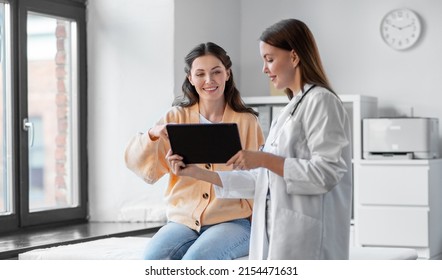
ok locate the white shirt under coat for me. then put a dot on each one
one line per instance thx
(311, 205)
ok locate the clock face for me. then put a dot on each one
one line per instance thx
(401, 29)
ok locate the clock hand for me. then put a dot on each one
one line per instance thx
(397, 27)
(411, 24)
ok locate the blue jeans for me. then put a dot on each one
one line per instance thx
(224, 241)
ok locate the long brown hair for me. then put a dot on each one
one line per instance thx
(231, 93)
(293, 34)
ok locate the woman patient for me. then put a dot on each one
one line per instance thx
(200, 226)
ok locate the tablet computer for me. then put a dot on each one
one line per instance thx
(204, 143)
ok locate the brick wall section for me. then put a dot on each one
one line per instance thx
(62, 100)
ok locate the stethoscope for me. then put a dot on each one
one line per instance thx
(299, 101)
(291, 114)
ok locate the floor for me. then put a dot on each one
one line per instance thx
(13, 244)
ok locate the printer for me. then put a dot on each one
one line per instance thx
(400, 138)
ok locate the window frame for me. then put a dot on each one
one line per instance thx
(21, 216)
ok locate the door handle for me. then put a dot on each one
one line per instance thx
(29, 127)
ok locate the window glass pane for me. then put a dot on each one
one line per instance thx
(5, 113)
(52, 112)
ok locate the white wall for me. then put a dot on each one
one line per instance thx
(130, 78)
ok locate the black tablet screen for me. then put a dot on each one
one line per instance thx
(204, 143)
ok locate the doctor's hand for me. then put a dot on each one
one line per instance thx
(245, 160)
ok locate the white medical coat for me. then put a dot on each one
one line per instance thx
(311, 205)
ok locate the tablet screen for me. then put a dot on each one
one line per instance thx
(204, 143)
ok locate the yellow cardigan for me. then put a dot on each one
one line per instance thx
(189, 201)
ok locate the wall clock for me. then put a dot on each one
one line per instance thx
(401, 28)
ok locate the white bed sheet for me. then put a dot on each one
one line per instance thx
(131, 248)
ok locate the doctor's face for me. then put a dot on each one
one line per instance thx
(209, 75)
(279, 65)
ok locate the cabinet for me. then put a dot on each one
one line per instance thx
(357, 107)
(398, 203)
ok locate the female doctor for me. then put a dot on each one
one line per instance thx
(301, 180)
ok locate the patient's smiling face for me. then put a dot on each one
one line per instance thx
(209, 75)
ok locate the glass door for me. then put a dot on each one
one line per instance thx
(52, 108)
(52, 112)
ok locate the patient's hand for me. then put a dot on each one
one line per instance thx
(178, 167)
(158, 131)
